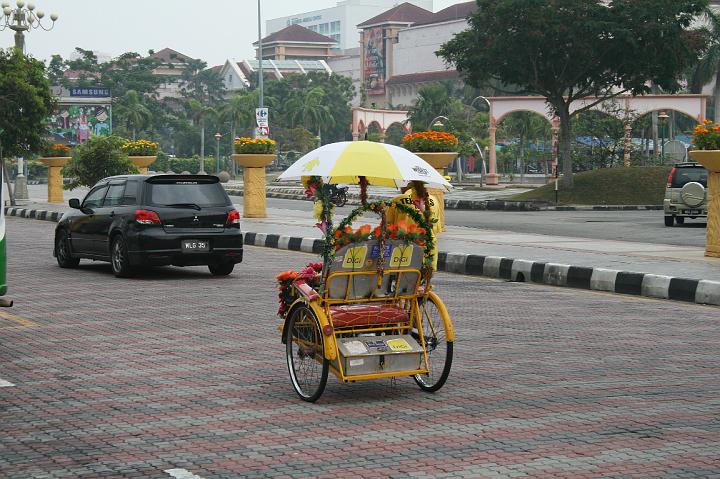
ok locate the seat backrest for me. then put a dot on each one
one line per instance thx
(353, 273)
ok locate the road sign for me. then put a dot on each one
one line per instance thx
(261, 117)
(262, 132)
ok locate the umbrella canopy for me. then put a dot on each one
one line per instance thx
(383, 165)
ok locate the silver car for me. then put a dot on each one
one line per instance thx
(685, 194)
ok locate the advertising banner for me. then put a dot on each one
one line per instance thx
(77, 123)
(374, 68)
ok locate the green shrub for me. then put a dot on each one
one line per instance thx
(97, 158)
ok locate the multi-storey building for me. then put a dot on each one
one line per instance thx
(340, 22)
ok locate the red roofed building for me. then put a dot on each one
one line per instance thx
(295, 42)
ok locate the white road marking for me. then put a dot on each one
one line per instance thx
(5, 384)
(182, 474)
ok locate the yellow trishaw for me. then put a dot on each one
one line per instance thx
(368, 310)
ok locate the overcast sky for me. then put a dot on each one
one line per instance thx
(210, 30)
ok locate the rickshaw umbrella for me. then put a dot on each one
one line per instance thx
(383, 165)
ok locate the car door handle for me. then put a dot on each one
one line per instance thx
(112, 213)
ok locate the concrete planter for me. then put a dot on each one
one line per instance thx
(438, 160)
(710, 159)
(253, 160)
(142, 162)
(254, 197)
(55, 178)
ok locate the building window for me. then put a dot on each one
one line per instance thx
(336, 37)
(324, 28)
(314, 28)
(334, 27)
(230, 79)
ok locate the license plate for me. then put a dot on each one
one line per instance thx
(195, 246)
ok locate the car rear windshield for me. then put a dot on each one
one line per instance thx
(191, 192)
(686, 174)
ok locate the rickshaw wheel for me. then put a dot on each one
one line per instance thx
(304, 347)
(439, 349)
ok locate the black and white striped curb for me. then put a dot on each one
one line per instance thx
(33, 213)
(453, 204)
(598, 279)
(582, 277)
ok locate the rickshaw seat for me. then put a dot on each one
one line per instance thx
(357, 315)
(353, 273)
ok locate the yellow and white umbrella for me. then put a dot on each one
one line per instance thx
(383, 165)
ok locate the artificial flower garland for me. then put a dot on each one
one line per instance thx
(427, 237)
(310, 274)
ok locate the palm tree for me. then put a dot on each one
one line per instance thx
(310, 110)
(239, 112)
(131, 109)
(708, 68)
(197, 113)
(432, 101)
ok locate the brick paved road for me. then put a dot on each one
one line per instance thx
(180, 370)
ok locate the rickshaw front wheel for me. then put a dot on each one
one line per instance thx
(304, 346)
(439, 349)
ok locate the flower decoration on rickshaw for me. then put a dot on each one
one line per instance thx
(310, 274)
(400, 232)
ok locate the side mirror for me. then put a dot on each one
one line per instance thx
(74, 203)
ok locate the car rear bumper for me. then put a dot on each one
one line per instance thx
(676, 209)
(154, 246)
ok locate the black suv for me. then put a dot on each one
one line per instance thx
(137, 220)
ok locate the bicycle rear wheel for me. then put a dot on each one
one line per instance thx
(439, 349)
(304, 348)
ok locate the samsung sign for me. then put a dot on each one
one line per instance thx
(90, 91)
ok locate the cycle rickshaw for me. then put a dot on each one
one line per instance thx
(368, 310)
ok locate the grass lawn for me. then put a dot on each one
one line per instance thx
(607, 186)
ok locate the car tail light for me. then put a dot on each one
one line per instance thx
(233, 218)
(147, 217)
(670, 177)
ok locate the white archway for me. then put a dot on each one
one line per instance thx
(363, 117)
(501, 107)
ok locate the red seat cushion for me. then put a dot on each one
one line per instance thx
(367, 315)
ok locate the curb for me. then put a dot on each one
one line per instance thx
(490, 205)
(510, 269)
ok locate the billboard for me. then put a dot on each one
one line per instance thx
(73, 124)
(374, 68)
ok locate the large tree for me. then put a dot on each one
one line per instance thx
(708, 68)
(568, 50)
(25, 103)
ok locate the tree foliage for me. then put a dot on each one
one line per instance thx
(95, 159)
(568, 50)
(25, 103)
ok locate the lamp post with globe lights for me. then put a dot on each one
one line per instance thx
(23, 18)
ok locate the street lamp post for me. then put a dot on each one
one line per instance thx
(22, 19)
(662, 117)
(436, 123)
(217, 152)
(472, 105)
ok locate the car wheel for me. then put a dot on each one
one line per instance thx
(668, 221)
(680, 220)
(63, 253)
(119, 259)
(221, 269)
